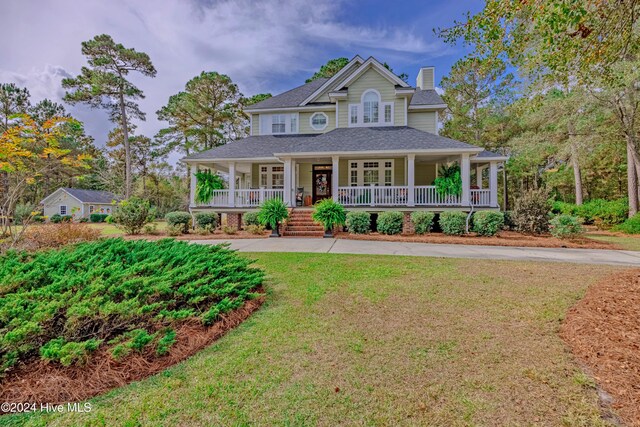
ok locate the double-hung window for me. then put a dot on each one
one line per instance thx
(63, 209)
(278, 123)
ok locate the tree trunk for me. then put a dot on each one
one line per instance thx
(127, 149)
(632, 178)
(577, 173)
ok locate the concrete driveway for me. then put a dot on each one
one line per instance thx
(343, 246)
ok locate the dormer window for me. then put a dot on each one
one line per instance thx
(371, 111)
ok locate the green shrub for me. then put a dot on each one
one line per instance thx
(174, 230)
(56, 218)
(83, 220)
(565, 226)
(255, 229)
(329, 213)
(358, 222)
(66, 218)
(508, 220)
(531, 212)
(559, 207)
(422, 221)
(179, 219)
(113, 292)
(132, 215)
(229, 230)
(487, 223)
(272, 213)
(206, 220)
(23, 212)
(150, 229)
(251, 218)
(98, 217)
(109, 219)
(390, 222)
(453, 223)
(630, 226)
(603, 213)
(39, 218)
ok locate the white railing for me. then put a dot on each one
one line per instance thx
(244, 198)
(373, 196)
(481, 197)
(426, 195)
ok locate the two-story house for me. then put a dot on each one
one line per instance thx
(363, 137)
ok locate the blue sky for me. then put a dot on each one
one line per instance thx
(265, 46)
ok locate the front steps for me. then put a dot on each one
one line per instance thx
(300, 224)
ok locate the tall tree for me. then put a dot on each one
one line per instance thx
(207, 114)
(104, 84)
(46, 110)
(333, 66)
(13, 100)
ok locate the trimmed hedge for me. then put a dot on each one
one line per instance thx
(453, 223)
(206, 220)
(251, 218)
(390, 222)
(422, 221)
(98, 217)
(179, 219)
(487, 223)
(565, 226)
(358, 222)
(62, 305)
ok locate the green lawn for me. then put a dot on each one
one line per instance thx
(630, 243)
(378, 340)
(110, 230)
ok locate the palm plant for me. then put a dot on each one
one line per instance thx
(271, 213)
(449, 182)
(329, 213)
(206, 183)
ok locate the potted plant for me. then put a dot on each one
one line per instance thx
(329, 213)
(449, 182)
(272, 213)
(206, 184)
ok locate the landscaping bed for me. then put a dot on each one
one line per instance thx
(603, 331)
(78, 321)
(504, 238)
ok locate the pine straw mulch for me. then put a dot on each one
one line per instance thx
(603, 331)
(42, 382)
(240, 234)
(504, 238)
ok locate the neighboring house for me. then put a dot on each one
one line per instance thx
(363, 137)
(78, 202)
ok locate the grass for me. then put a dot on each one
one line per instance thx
(110, 230)
(626, 242)
(377, 340)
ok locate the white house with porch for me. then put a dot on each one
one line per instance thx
(363, 137)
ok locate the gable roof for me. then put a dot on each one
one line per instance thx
(290, 98)
(86, 196)
(373, 63)
(392, 139)
(426, 97)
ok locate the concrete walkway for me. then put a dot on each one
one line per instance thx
(343, 246)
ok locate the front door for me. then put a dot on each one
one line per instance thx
(321, 182)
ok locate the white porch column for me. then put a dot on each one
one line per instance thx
(232, 183)
(335, 165)
(493, 184)
(192, 179)
(411, 179)
(465, 174)
(479, 176)
(288, 190)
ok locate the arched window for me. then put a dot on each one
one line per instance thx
(370, 103)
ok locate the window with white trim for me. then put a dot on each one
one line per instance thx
(353, 114)
(371, 173)
(319, 121)
(370, 102)
(272, 176)
(277, 124)
(387, 113)
(371, 111)
(293, 127)
(63, 209)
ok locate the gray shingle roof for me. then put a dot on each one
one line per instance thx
(290, 98)
(396, 138)
(91, 196)
(426, 97)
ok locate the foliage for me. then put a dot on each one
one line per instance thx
(255, 99)
(206, 220)
(251, 218)
(329, 213)
(422, 221)
(390, 222)
(229, 230)
(487, 223)
(564, 208)
(272, 212)
(630, 226)
(174, 229)
(449, 182)
(255, 229)
(206, 184)
(56, 218)
(150, 229)
(531, 212)
(131, 215)
(604, 213)
(45, 236)
(13, 100)
(64, 303)
(181, 219)
(453, 223)
(358, 222)
(23, 212)
(98, 217)
(331, 68)
(565, 226)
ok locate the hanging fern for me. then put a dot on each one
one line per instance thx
(449, 181)
(206, 183)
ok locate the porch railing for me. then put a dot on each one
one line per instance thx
(373, 196)
(243, 198)
(427, 195)
(481, 197)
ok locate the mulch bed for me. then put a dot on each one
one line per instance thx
(42, 382)
(504, 238)
(241, 234)
(603, 331)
